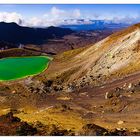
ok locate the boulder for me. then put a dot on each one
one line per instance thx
(93, 130)
(120, 122)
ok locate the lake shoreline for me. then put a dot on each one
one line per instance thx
(30, 75)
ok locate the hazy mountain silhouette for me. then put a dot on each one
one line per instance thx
(13, 33)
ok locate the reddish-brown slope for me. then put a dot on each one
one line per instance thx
(114, 57)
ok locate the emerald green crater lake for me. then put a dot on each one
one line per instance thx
(13, 68)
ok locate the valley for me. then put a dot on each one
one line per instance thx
(91, 87)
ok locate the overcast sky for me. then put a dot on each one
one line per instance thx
(47, 15)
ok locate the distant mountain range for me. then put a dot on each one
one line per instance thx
(94, 25)
(16, 34)
(13, 33)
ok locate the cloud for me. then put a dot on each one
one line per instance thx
(11, 17)
(76, 13)
(64, 14)
(57, 16)
(129, 19)
(56, 13)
